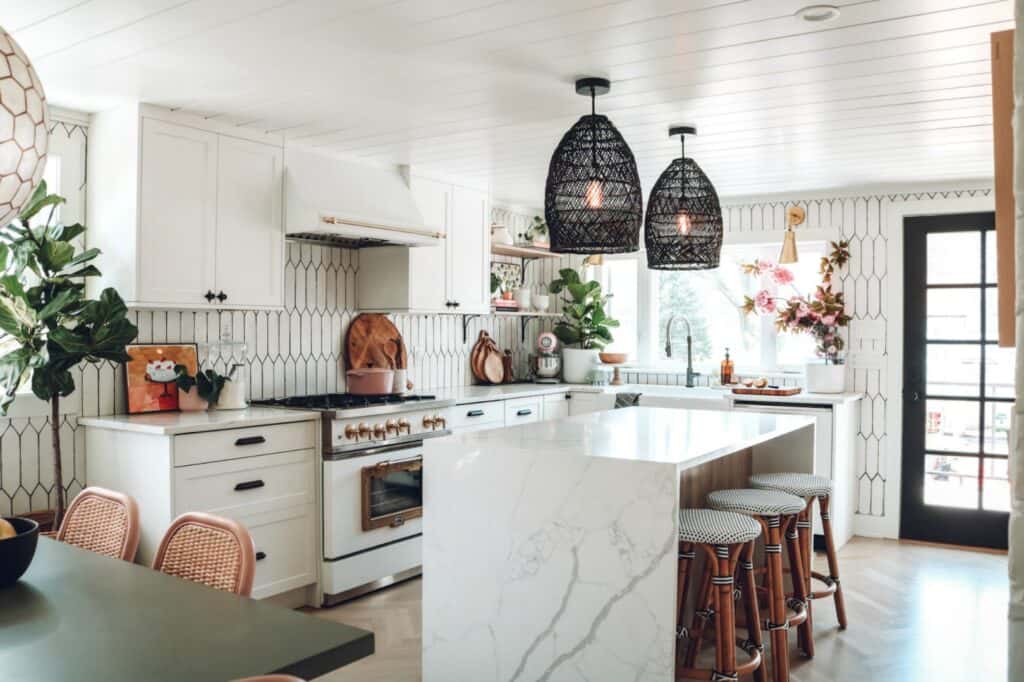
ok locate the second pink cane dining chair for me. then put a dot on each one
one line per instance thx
(209, 550)
(102, 521)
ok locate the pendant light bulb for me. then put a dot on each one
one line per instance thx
(683, 224)
(594, 195)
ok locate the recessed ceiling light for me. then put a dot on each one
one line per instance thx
(818, 14)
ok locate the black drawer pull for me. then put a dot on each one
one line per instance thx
(475, 413)
(251, 440)
(260, 556)
(524, 413)
(250, 485)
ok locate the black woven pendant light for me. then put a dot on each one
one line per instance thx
(683, 227)
(593, 202)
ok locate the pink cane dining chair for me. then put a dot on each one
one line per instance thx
(102, 521)
(209, 550)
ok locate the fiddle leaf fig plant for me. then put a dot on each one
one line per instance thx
(47, 325)
(584, 320)
(208, 382)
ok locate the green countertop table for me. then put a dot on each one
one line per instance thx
(78, 616)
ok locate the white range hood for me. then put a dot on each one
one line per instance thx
(352, 205)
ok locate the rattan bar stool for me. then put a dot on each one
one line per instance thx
(725, 538)
(810, 487)
(777, 513)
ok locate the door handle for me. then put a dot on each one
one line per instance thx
(260, 556)
(250, 485)
(251, 440)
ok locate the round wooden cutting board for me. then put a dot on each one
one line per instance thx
(374, 341)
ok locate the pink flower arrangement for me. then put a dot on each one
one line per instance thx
(820, 314)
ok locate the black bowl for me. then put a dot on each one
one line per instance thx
(16, 553)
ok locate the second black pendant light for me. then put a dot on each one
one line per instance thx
(593, 202)
(683, 227)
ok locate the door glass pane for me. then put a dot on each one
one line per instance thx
(1000, 366)
(990, 256)
(953, 370)
(952, 426)
(997, 428)
(954, 258)
(954, 314)
(995, 495)
(951, 481)
(991, 314)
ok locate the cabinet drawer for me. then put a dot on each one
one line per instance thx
(522, 411)
(216, 446)
(246, 486)
(286, 553)
(556, 406)
(478, 414)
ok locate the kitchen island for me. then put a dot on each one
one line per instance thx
(550, 549)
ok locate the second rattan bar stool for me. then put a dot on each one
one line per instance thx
(777, 513)
(724, 537)
(810, 487)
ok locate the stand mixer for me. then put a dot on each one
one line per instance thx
(546, 364)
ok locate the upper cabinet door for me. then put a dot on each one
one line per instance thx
(250, 238)
(469, 251)
(177, 214)
(429, 266)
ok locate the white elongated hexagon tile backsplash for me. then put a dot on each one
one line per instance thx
(298, 350)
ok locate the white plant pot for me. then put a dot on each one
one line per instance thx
(825, 378)
(577, 363)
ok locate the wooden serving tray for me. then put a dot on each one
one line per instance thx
(767, 391)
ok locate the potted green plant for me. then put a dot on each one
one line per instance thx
(199, 392)
(48, 325)
(585, 328)
(536, 233)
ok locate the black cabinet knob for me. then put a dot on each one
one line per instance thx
(221, 296)
(260, 556)
(209, 296)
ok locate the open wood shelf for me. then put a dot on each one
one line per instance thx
(522, 251)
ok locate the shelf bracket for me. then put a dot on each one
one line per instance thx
(465, 325)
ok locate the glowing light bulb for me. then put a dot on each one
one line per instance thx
(683, 224)
(594, 195)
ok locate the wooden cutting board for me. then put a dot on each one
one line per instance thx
(483, 347)
(494, 367)
(767, 391)
(374, 341)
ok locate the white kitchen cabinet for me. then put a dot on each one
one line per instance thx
(555, 406)
(523, 410)
(263, 475)
(585, 403)
(453, 277)
(187, 213)
(478, 416)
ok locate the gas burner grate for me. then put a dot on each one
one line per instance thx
(341, 401)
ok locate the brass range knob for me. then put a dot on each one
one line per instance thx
(428, 423)
(364, 430)
(391, 426)
(404, 425)
(440, 422)
(351, 432)
(379, 432)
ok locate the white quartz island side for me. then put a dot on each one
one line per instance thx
(550, 549)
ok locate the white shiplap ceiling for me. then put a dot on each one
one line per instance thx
(893, 91)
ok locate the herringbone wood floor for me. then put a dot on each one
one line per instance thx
(917, 613)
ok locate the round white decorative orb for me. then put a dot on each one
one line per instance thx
(24, 129)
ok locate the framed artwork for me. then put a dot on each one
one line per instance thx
(150, 374)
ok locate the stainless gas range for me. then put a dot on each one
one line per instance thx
(372, 486)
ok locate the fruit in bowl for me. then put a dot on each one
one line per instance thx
(18, 539)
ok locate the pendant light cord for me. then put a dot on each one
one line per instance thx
(682, 170)
(593, 129)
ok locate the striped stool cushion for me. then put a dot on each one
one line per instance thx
(756, 502)
(801, 485)
(710, 527)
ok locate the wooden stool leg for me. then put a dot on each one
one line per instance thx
(703, 612)
(725, 616)
(805, 636)
(748, 583)
(833, 563)
(686, 556)
(778, 622)
(803, 526)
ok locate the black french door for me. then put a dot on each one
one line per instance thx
(958, 385)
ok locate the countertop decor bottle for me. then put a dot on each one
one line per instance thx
(727, 369)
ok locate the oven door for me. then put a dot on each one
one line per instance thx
(372, 497)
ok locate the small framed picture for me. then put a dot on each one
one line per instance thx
(150, 374)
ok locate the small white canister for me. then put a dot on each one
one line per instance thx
(401, 376)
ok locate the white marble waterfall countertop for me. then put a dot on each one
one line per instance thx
(171, 423)
(643, 434)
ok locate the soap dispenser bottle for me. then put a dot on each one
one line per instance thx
(727, 369)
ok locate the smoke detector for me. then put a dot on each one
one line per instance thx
(818, 14)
